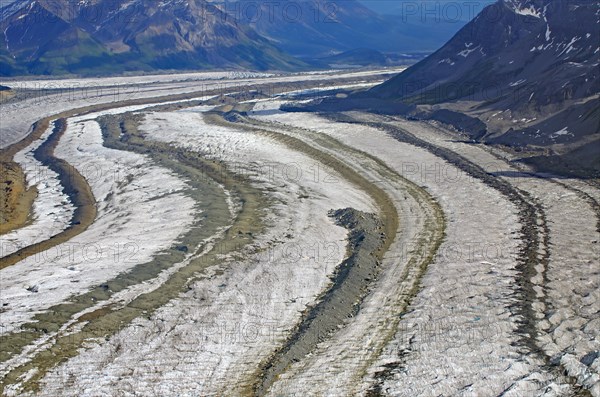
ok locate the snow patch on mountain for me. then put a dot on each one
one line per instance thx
(525, 7)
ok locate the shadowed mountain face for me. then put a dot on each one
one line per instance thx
(511, 46)
(319, 28)
(103, 36)
(526, 70)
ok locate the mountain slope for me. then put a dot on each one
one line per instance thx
(510, 42)
(104, 36)
(35, 37)
(527, 69)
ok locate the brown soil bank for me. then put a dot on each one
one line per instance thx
(15, 199)
(75, 186)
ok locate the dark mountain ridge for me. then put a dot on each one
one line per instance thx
(523, 73)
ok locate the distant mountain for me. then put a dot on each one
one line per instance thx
(313, 29)
(418, 12)
(113, 36)
(310, 28)
(358, 57)
(104, 36)
(365, 57)
(525, 72)
(428, 24)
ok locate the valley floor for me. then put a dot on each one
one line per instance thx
(238, 250)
